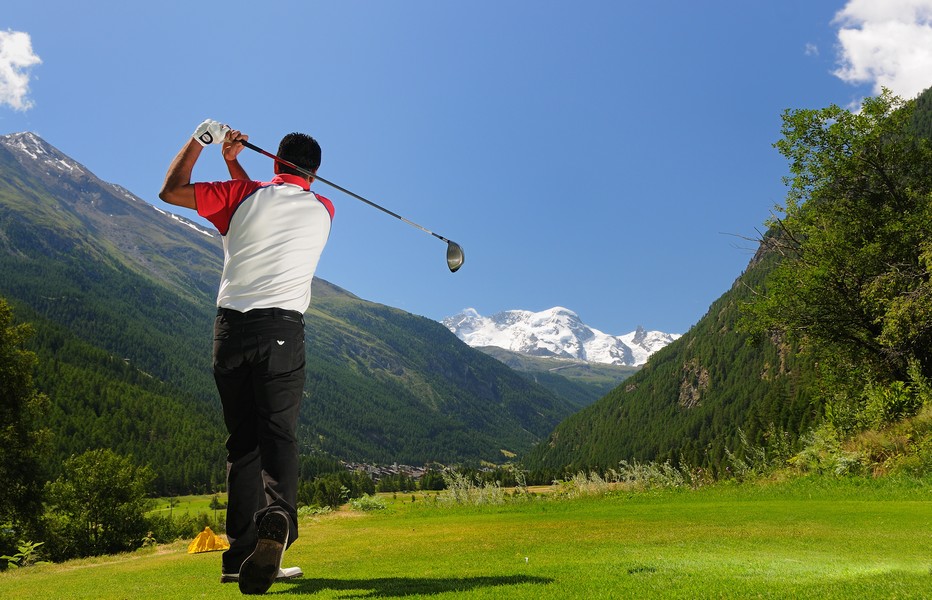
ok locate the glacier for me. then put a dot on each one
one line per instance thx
(557, 332)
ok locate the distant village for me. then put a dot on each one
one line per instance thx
(377, 472)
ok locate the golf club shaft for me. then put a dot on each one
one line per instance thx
(308, 173)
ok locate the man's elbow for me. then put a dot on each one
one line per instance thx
(168, 196)
(183, 196)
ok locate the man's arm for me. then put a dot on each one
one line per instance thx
(177, 188)
(230, 150)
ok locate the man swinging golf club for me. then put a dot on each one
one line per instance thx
(273, 235)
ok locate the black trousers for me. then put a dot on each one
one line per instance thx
(259, 361)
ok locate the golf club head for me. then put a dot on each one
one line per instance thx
(455, 256)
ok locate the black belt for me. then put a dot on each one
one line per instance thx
(260, 313)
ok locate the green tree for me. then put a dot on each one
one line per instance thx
(433, 480)
(23, 440)
(98, 505)
(854, 279)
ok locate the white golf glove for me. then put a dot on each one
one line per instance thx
(210, 132)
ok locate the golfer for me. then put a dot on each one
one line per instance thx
(273, 235)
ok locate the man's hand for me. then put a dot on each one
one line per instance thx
(210, 132)
(177, 188)
(231, 144)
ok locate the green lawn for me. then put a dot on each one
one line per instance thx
(186, 505)
(804, 539)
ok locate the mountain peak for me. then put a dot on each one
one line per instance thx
(58, 169)
(556, 332)
(559, 310)
(38, 150)
(640, 334)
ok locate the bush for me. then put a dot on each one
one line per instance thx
(582, 484)
(97, 505)
(367, 503)
(312, 511)
(904, 447)
(750, 461)
(885, 404)
(823, 454)
(654, 475)
(462, 489)
(27, 555)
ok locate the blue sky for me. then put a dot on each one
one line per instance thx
(608, 157)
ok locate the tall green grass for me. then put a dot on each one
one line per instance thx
(805, 538)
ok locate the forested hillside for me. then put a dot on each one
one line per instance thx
(689, 401)
(582, 383)
(406, 384)
(829, 327)
(123, 358)
(121, 297)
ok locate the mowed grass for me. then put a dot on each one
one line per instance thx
(801, 539)
(186, 505)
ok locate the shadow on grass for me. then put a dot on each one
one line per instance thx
(397, 587)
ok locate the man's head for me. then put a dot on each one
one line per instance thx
(300, 149)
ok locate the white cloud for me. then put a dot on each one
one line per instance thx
(887, 44)
(16, 57)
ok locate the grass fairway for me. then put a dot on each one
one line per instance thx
(804, 539)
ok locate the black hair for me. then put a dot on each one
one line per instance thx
(300, 149)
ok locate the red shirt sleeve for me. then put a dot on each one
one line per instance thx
(217, 201)
(327, 203)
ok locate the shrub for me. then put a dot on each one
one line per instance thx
(904, 447)
(470, 491)
(367, 503)
(823, 454)
(27, 555)
(97, 505)
(749, 460)
(310, 511)
(582, 484)
(885, 404)
(660, 475)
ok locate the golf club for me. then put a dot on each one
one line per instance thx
(455, 256)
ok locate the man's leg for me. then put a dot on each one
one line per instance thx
(246, 497)
(278, 391)
(278, 386)
(232, 375)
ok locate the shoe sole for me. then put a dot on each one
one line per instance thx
(283, 575)
(260, 570)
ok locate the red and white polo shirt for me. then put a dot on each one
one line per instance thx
(273, 236)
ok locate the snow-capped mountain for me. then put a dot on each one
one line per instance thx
(51, 164)
(556, 332)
